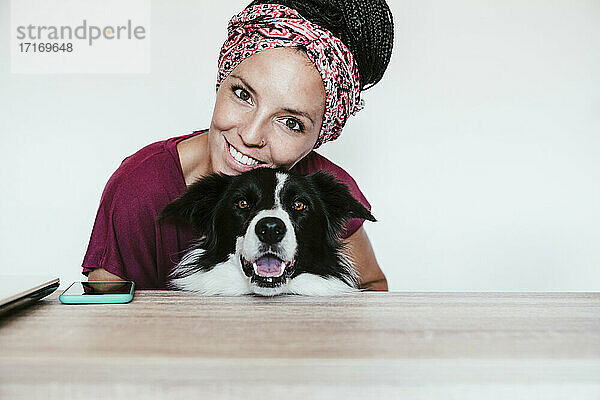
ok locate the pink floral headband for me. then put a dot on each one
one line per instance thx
(266, 26)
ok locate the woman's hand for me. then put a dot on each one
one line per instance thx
(361, 253)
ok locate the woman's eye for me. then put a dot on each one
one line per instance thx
(299, 206)
(241, 93)
(243, 204)
(292, 123)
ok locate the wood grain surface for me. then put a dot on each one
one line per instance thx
(168, 344)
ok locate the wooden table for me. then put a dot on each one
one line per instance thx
(375, 345)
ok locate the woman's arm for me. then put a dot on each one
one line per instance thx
(361, 252)
(100, 274)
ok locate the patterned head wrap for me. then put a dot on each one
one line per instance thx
(266, 26)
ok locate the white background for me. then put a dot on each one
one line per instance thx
(479, 150)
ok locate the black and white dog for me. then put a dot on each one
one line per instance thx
(266, 231)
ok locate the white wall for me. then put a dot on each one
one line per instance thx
(479, 150)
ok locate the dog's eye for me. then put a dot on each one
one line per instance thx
(243, 204)
(298, 205)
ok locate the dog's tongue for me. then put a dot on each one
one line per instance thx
(268, 266)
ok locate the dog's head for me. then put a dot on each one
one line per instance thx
(274, 224)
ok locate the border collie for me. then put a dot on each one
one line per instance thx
(266, 231)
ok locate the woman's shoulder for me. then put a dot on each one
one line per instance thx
(314, 162)
(156, 157)
(143, 176)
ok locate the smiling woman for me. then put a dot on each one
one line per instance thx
(269, 111)
(286, 85)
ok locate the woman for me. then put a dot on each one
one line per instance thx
(290, 73)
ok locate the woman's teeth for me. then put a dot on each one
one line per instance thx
(241, 157)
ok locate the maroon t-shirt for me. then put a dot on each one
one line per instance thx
(128, 241)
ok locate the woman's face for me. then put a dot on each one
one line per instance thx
(268, 112)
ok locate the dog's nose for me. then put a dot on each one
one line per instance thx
(270, 230)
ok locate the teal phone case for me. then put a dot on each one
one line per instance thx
(97, 298)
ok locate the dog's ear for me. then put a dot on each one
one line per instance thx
(337, 197)
(197, 205)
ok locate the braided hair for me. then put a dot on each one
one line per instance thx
(366, 27)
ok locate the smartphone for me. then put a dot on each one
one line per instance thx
(98, 292)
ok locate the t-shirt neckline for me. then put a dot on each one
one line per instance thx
(171, 146)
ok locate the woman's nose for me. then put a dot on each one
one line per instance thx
(254, 133)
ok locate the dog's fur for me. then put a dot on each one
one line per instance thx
(233, 253)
